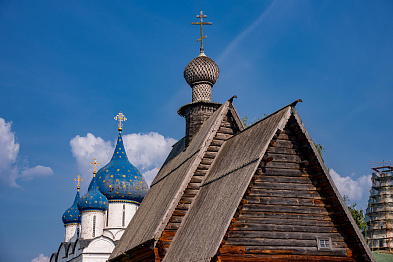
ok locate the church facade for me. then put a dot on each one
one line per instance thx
(233, 193)
(97, 220)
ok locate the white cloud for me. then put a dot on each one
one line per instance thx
(40, 258)
(146, 151)
(86, 149)
(354, 189)
(9, 150)
(150, 175)
(38, 171)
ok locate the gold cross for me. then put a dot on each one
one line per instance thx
(201, 16)
(78, 179)
(95, 165)
(121, 118)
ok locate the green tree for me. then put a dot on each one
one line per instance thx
(320, 148)
(247, 123)
(357, 214)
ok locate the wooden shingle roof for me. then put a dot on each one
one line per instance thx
(167, 188)
(288, 183)
(205, 225)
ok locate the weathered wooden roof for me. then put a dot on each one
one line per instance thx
(205, 225)
(166, 189)
(177, 148)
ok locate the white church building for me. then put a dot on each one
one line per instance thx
(98, 219)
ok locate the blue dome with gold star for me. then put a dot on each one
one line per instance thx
(93, 199)
(119, 179)
(72, 215)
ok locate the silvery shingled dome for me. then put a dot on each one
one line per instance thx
(201, 69)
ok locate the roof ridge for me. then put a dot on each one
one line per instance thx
(293, 104)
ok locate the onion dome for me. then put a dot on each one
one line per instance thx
(93, 199)
(119, 180)
(201, 69)
(72, 215)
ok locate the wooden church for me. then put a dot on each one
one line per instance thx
(230, 193)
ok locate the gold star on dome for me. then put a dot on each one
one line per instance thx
(121, 118)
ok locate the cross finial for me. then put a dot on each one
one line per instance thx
(95, 165)
(201, 16)
(78, 179)
(121, 118)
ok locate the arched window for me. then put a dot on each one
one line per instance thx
(77, 231)
(107, 216)
(124, 214)
(94, 226)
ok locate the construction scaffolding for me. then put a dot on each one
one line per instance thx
(379, 212)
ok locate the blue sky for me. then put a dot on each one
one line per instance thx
(68, 67)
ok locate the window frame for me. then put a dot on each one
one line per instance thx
(322, 246)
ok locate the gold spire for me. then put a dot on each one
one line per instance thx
(121, 118)
(95, 165)
(201, 16)
(78, 179)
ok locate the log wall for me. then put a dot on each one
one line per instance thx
(285, 209)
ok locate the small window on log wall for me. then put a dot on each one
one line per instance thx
(324, 243)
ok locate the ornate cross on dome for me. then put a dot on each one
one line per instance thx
(78, 179)
(121, 118)
(95, 165)
(201, 16)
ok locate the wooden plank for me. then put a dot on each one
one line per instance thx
(183, 206)
(295, 216)
(213, 148)
(283, 179)
(282, 228)
(297, 250)
(200, 172)
(273, 256)
(207, 161)
(203, 167)
(269, 192)
(185, 200)
(210, 155)
(193, 185)
(172, 225)
(336, 237)
(284, 209)
(217, 142)
(221, 136)
(283, 150)
(226, 130)
(268, 170)
(278, 243)
(283, 157)
(283, 186)
(286, 144)
(284, 165)
(197, 179)
(284, 201)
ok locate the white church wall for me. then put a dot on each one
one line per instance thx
(61, 255)
(118, 234)
(98, 250)
(92, 224)
(109, 234)
(70, 231)
(119, 214)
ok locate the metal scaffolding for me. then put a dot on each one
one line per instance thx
(379, 212)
